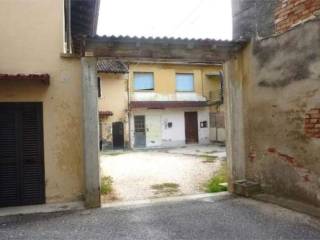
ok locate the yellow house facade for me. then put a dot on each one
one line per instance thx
(160, 105)
(41, 130)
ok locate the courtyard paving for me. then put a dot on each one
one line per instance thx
(202, 219)
(145, 174)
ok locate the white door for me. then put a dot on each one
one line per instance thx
(153, 130)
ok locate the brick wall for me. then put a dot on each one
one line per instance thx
(312, 123)
(290, 12)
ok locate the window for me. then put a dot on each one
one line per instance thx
(67, 26)
(143, 81)
(216, 120)
(99, 87)
(184, 82)
(212, 120)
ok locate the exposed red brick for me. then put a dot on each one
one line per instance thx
(286, 157)
(314, 120)
(291, 12)
(312, 123)
(271, 150)
(252, 157)
(315, 115)
(298, 165)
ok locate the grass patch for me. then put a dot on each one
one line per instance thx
(106, 185)
(112, 153)
(209, 159)
(215, 184)
(165, 188)
(211, 152)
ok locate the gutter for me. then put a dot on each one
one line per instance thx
(95, 18)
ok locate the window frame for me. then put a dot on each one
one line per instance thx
(99, 87)
(67, 41)
(193, 82)
(143, 90)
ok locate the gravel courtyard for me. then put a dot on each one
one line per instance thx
(146, 174)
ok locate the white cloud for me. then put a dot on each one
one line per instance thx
(171, 18)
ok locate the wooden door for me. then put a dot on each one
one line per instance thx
(117, 135)
(21, 154)
(191, 127)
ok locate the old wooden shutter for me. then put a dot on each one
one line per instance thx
(21, 154)
(32, 159)
(9, 169)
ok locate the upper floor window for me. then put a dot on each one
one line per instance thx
(67, 27)
(184, 82)
(143, 81)
(99, 87)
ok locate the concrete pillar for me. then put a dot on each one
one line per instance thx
(235, 126)
(91, 132)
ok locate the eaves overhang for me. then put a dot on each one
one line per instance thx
(41, 78)
(167, 104)
(84, 21)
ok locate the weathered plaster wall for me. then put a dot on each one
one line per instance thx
(253, 18)
(257, 18)
(32, 40)
(114, 98)
(281, 97)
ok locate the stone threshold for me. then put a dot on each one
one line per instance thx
(136, 203)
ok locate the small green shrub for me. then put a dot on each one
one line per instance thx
(106, 185)
(215, 184)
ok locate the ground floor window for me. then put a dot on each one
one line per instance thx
(216, 120)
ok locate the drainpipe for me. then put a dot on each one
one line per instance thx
(128, 107)
(202, 77)
(221, 86)
(221, 99)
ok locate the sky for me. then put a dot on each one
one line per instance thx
(171, 18)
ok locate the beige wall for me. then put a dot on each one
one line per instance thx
(114, 98)
(31, 42)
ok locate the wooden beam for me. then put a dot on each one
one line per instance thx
(162, 50)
